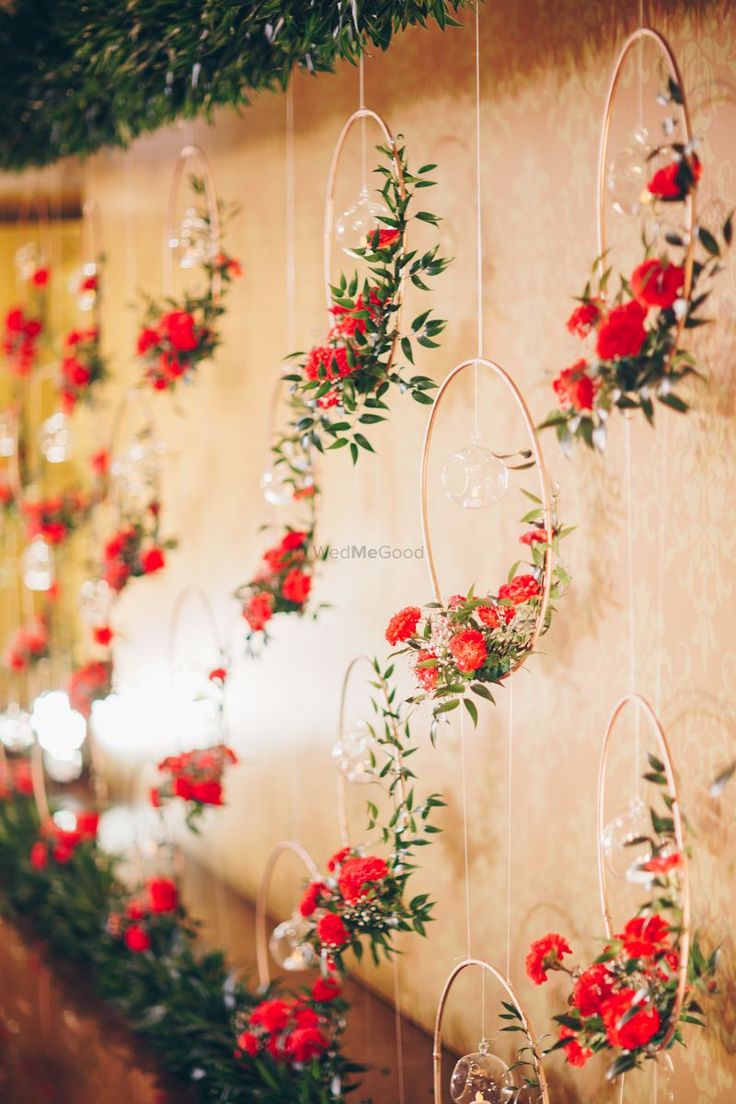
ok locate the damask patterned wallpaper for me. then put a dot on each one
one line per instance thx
(545, 69)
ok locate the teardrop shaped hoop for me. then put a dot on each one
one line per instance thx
(264, 971)
(640, 35)
(480, 964)
(669, 770)
(545, 493)
(191, 594)
(191, 153)
(329, 219)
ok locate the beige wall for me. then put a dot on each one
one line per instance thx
(544, 74)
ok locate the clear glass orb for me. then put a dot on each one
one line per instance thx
(56, 438)
(517, 1092)
(137, 470)
(617, 836)
(628, 174)
(276, 491)
(474, 478)
(352, 754)
(95, 599)
(479, 1077)
(7, 434)
(38, 565)
(287, 944)
(358, 221)
(193, 243)
(15, 728)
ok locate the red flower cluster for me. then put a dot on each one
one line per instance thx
(574, 388)
(131, 553)
(584, 318)
(137, 919)
(194, 776)
(56, 517)
(520, 590)
(675, 181)
(289, 1030)
(20, 340)
(88, 684)
(172, 348)
(28, 644)
(340, 355)
(403, 625)
(60, 844)
(82, 366)
(282, 585)
(621, 992)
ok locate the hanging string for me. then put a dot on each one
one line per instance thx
(399, 1033)
(630, 593)
(361, 107)
(466, 841)
(478, 228)
(661, 564)
(509, 815)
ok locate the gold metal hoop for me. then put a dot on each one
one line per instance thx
(264, 972)
(664, 751)
(545, 494)
(639, 35)
(188, 154)
(361, 113)
(38, 779)
(480, 964)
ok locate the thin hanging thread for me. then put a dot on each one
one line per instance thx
(509, 816)
(466, 841)
(661, 563)
(478, 229)
(630, 592)
(399, 1033)
(361, 107)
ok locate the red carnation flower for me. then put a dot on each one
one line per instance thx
(147, 338)
(248, 1043)
(153, 560)
(293, 540)
(403, 625)
(137, 939)
(207, 793)
(338, 858)
(574, 388)
(40, 277)
(546, 954)
(325, 989)
(468, 650)
(305, 1043)
(592, 988)
(519, 590)
(662, 864)
(583, 319)
(259, 610)
(644, 937)
(492, 616)
(534, 536)
(179, 327)
(357, 873)
(39, 855)
(656, 285)
(622, 333)
(103, 635)
(629, 1031)
(575, 1054)
(272, 1015)
(296, 586)
(331, 931)
(219, 674)
(163, 895)
(675, 180)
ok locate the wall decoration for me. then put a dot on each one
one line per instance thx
(634, 352)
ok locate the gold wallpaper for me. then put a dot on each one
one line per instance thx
(545, 69)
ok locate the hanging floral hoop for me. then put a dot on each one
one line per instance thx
(544, 489)
(664, 750)
(38, 778)
(329, 219)
(192, 594)
(642, 34)
(262, 962)
(479, 964)
(189, 155)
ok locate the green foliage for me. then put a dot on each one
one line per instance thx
(81, 75)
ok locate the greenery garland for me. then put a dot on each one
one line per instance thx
(82, 76)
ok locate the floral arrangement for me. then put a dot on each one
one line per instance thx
(56, 518)
(281, 585)
(634, 353)
(59, 844)
(297, 1030)
(135, 550)
(90, 683)
(28, 645)
(21, 337)
(361, 896)
(624, 1002)
(147, 919)
(195, 777)
(473, 642)
(83, 368)
(179, 335)
(7, 495)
